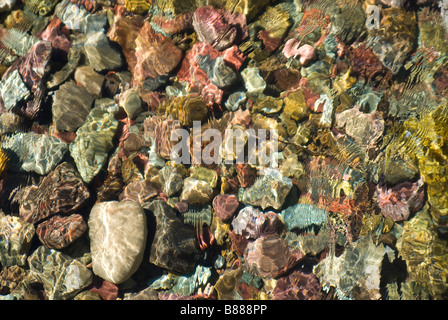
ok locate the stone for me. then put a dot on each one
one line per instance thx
(236, 100)
(171, 180)
(57, 35)
(156, 54)
(89, 79)
(184, 110)
(32, 152)
(139, 191)
(304, 216)
(117, 232)
(196, 191)
(251, 223)
(61, 276)
(359, 266)
(393, 46)
(13, 90)
(218, 27)
(131, 103)
(270, 190)
(62, 191)
(59, 232)
(71, 105)
(6, 5)
(87, 295)
(15, 240)
(401, 200)
(34, 68)
(93, 141)
(100, 53)
(10, 277)
(271, 257)
(4, 163)
(159, 130)
(298, 286)
(306, 52)
(365, 128)
(208, 175)
(174, 245)
(191, 72)
(18, 41)
(425, 253)
(105, 289)
(252, 80)
(79, 19)
(225, 206)
(219, 73)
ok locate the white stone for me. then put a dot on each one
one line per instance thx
(117, 232)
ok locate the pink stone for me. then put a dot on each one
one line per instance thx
(401, 200)
(306, 52)
(191, 72)
(218, 27)
(225, 206)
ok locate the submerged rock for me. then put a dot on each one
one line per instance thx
(117, 232)
(93, 141)
(15, 240)
(32, 152)
(61, 276)
(174, 245)
(102, 56)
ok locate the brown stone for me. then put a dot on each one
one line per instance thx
(58, 232)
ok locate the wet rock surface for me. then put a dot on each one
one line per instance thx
(248, 150)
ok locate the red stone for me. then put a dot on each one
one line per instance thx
(58, 232)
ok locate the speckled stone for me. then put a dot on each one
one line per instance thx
(117, 232)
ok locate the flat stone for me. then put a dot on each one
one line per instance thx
(196, 191)
(117, 232)
(131, 103)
